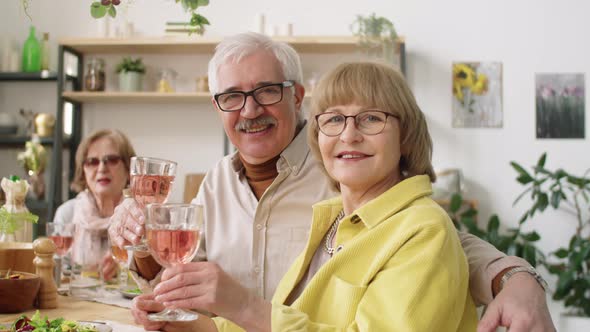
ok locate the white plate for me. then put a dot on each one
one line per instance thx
(100, 327)
(129, 295)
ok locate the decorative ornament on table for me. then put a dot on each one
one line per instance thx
(34, 160)
(15, 219)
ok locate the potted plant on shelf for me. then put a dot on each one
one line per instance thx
(130, 74)
(559, 190)
(376, 34)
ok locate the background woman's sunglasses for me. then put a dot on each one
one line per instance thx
(108, 160)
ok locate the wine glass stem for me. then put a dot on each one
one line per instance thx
(123, 276)
(58, 260)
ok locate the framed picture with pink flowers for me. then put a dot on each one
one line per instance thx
(560, 105)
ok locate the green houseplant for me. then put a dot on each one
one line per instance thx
(555, 189)
(131, 73)
(561, 190)
(376, 34)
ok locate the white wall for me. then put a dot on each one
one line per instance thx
(527, 36)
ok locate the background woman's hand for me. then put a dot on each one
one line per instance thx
(108, 266)
(126, 224)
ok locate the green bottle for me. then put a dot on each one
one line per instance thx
(31, 53)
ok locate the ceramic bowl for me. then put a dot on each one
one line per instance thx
(17, 295)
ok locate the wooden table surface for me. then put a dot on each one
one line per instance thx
(74, 309)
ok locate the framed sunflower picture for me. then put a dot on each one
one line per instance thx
(477, 95)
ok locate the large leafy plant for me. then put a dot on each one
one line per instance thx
(561, 190)
(514, 241)
(555, 189)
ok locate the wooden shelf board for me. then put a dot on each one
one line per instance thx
(16, 141)
(41, 76)
(137, 97)
(200, 44)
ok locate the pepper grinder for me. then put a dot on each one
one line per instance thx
(44, 249)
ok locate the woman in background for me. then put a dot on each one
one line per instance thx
(381, 257)
(102, 172)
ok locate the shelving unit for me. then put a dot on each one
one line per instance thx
(35, 76)
(191, 45)
(18, 141)
(79, 47)
(135, 97)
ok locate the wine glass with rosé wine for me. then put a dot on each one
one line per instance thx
(173, 232)
(121, 256)
(63, 237)
(151, 182)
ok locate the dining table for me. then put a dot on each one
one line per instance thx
(72, 308)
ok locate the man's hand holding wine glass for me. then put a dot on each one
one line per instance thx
(202, 286)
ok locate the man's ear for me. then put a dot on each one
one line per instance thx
(215, 104)
(299, 94)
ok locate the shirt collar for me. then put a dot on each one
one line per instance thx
(387, 204)
(292, 157)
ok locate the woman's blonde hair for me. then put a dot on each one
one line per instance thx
(382, 87)
(122, 143)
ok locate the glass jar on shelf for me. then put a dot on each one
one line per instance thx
(94, 79)
(167, 80)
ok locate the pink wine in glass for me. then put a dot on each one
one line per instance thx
(148, 189)
(120, 255)
(63, 243)
(171, 247)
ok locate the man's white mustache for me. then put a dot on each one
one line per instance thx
(247, 124)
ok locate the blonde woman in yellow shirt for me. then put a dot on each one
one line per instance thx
(381, 257)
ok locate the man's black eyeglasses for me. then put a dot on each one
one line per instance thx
(265, 95)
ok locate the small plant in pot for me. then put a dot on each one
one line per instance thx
(377, 34)
(130, 74)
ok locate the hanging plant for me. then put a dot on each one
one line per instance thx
(100, 9)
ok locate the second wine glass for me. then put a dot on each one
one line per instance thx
(63, 237)
(151, 182)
